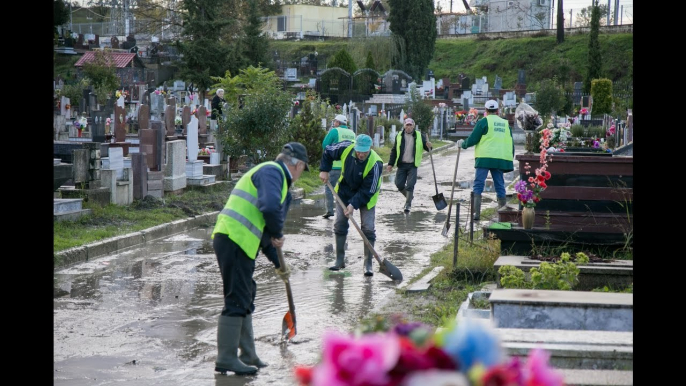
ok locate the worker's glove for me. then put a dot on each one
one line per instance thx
(284, 272)
(460, 142)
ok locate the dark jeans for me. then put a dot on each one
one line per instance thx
(498, 181)
(406, 177)
(236, 269)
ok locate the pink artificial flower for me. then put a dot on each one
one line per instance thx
(349, 361)
(537, 372)
(157, 92)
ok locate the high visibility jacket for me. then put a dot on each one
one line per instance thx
(241, 219)
(418, 147)
(497, 142)
(371, 160)
(343, 134)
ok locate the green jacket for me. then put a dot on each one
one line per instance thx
(492, 137)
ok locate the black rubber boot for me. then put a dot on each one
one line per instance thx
(340, 253)
(247, 344)
(502, 201)
(228, 335)
(408, 201)
(368, 256)
(477, 207)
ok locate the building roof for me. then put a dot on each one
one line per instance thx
(121, 59)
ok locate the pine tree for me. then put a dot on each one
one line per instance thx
(594, 56)
(413, 25)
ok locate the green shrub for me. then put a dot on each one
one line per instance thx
(578, 130)
(561, 275)
(601, 91)
(595, 131)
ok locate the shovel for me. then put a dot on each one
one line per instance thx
(385, 266)
(439, 200)
(446, 226)
(288, 329)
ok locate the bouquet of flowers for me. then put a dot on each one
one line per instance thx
(529, 190)
(120, 93)
(108, 121)
(410, 354)
(177, 120)
(610, 131)
(472, 116)
(583, 111)
(527, 117)
(559, 136)
(160, 92)
(460, 116)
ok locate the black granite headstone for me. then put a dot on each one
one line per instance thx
(521, 77)
(466, 84)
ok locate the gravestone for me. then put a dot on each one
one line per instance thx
(114, 42)
(98, 126)
(157, 106)
(465, 83)
(175, 166)
(140, 174)
(119, 124)
(158, 149)
(201, 114)
(169, 117)
(148, 146)
(291, 74)
(521, 77)
(143, 117)
(185, 119)
(64, 101)
(509, 99)
(192, 141)
(497, 85)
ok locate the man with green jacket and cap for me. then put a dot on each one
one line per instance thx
(493, 152)
(358, 187)
(339, 132)
(252, 220)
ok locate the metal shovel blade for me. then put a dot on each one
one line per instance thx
(288, 329)
(446, 227)
(390, 270)
(439, 201)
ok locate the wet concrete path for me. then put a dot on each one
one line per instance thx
(148, 315)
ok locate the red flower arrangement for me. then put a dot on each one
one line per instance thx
(529, 191)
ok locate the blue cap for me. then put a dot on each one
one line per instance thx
(363, 143)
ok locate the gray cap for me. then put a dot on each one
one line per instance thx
(296, 150)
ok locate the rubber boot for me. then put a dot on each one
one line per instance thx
(340, 253)
(247, 344)
(368, 256)
(477, 207)
(502, 201)
(404, 192)
(228, 335)
(408, 201)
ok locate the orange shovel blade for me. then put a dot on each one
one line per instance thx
(288, 329)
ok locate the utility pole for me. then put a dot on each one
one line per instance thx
(608, 12)
(570, 18)
(616, 11)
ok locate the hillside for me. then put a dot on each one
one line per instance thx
(540, 57)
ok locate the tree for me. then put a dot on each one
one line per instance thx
(560, 23)
(258, 129)
(601, 91)
(203, 53)
(60, 14)
(422, 114)
(306, 126)
(343, 60)
(413, 25)
(583, 17)
(256, 44)
(102, 74)
(550, 98)
(370, 61)
(594, 58)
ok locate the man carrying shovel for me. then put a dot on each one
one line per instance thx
(358, 187)
(406, 154)
(252, 219)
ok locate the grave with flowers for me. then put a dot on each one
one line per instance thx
(582, 200)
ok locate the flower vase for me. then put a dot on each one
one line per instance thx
(528, 216)
(79, 133)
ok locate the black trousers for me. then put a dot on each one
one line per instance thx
(237, 270)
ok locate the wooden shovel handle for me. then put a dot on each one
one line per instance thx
(291, 305)
(364, 238)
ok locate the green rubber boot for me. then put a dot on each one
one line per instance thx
(228, 335)
(340, 253)
(247, 344)
(477, 207)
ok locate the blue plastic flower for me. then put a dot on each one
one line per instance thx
(473, 342)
